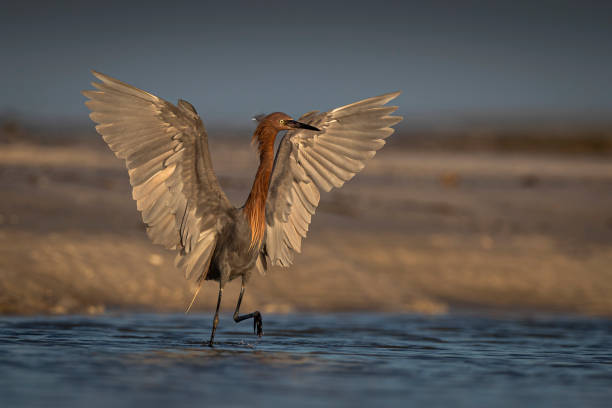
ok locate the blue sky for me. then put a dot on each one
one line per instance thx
(236, 59)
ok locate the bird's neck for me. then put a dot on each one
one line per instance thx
(255, 206)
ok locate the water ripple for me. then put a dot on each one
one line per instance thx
(306, 360)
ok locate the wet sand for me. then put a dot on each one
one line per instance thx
(422, 231)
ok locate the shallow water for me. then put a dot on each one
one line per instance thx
(306, 360)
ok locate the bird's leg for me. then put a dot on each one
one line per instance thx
(256, 316)
(216, 319)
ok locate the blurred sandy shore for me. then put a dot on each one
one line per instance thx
(416, 231)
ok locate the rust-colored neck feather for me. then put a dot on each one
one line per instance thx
(255, 206)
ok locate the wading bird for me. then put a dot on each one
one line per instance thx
(183, 207)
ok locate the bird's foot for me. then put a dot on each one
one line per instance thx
(257, 323)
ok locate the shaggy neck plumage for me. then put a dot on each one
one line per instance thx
(255, 206)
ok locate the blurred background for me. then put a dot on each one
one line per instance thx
(494, 194)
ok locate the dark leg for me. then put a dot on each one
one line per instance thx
(256, 316)
(216, 320)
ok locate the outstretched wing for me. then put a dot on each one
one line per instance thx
(165, 148)
(308, 162)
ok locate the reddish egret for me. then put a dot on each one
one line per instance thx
(183, 207)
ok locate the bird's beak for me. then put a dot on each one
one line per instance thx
(299, 125)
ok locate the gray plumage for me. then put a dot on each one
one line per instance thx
(165, 148)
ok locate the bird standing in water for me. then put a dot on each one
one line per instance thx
(184, 208)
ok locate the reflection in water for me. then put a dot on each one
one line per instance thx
(206, 356)
(305, 360)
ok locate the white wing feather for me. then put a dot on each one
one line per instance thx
(308, 162)
(165, 148)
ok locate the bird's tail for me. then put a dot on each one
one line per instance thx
(194, 298)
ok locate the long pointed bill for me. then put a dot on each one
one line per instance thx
(299, 125)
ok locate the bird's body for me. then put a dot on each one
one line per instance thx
(233, 257)
(184, 208)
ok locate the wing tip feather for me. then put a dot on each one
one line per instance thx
(103, 77)
(392, 95)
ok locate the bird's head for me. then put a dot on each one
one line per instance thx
(281, 121)
(273, 123)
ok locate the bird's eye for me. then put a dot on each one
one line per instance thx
(282, 121)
